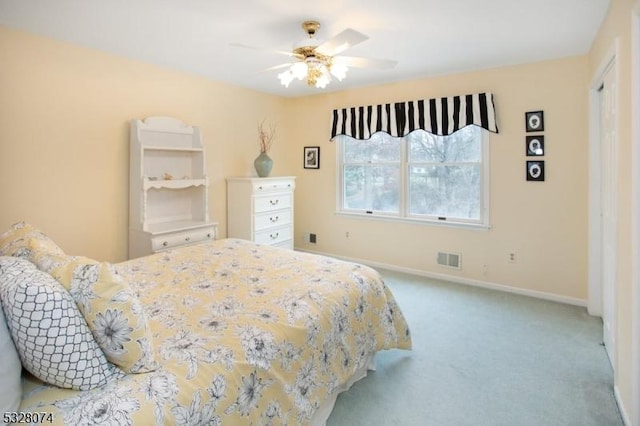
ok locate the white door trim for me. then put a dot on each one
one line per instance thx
(635, 214)
(594, 303)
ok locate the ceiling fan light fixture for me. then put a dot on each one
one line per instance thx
(286, 77)
(323, 80)
(339, 71)
(299, 70)
(316, 67)
(321, 76)
(318, 61)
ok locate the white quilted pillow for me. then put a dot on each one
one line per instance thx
(51, 336)
(10, 370)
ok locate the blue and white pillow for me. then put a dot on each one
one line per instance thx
(10, 370)
(51, 335)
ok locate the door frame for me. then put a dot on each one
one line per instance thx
(595, 299)
(635, 213)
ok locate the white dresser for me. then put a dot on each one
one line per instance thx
(168, 193)
(261, 210)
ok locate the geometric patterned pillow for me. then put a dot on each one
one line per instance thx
(112, 311)
(51, 336)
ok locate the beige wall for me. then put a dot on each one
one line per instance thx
(64, 159)
(545, 223)
(617, 29)
(64, 114)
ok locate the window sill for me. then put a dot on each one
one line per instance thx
(440, 223)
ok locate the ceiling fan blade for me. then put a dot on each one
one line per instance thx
(341, 42)
(259, 49)
(356, 62)
(276, 67)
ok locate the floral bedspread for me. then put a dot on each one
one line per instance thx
(244, 334)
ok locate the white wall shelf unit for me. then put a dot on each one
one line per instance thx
(168, 187)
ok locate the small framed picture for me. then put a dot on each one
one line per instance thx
(534, 121)
(535, 171)
(311, 157)
(535, 145)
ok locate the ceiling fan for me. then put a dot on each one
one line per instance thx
(316, 60)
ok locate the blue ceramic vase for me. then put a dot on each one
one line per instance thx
(263, 164)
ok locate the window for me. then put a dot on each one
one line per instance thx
(372, 174)
(421, 176)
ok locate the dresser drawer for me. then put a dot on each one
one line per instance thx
(272, 219)
(273, 185)
(271, 202)
(171, 240)
(273, 236)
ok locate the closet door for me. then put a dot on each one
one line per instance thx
(609, 208)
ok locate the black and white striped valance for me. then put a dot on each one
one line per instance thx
(438, 116)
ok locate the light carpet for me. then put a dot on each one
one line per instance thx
(484, 357)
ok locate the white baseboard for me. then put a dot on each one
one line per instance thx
(459, 280)
(623, 412)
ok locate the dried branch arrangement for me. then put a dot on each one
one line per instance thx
(265, 137)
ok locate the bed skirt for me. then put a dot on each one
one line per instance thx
(324, 411)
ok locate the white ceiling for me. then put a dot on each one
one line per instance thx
(426, 37)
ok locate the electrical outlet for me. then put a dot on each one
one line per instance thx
(512, 257)
(312, 238)
(346, 234)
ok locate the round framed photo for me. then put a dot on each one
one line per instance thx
(535, 145)
(534, 121)
(535, 170)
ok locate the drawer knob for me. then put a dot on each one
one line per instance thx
(165, 243)
(209, 235)
(274, 219)
(187, 238)
(273, 237)
(274, 203)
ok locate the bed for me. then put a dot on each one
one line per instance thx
(224, 332)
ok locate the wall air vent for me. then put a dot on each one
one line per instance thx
(449, 260)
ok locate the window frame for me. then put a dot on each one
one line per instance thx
(403, 215)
